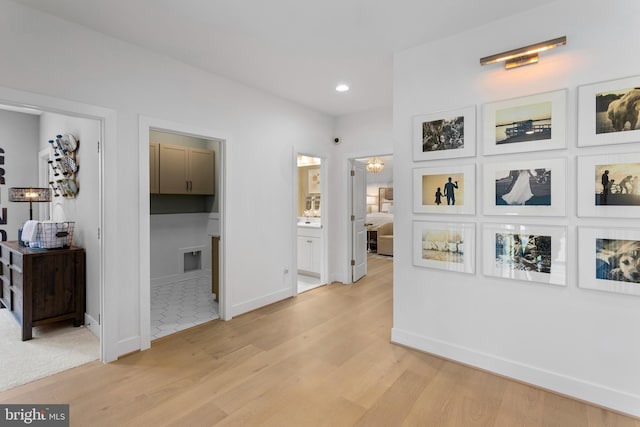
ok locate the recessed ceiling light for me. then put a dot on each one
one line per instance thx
(342, 88)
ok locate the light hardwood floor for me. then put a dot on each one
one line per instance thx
(321, 359)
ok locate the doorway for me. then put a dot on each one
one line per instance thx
(310, 223)
(191, 225)
(371, 210)
(90, 124)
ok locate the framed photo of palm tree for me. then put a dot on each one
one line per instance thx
(535, 187)
(445, 134)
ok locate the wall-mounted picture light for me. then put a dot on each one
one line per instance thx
(523, 56)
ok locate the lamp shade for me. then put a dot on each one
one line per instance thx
(29, 194)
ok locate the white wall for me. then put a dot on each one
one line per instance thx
(45, 55)
(84, 208)
(575, 341)
(362, 135)
(19, 159)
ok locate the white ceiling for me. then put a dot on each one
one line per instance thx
(299, 50)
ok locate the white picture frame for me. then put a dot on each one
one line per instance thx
(547, 187)
(530, 253)
(607, 259)
(597, 126)
(623, 198)
(448, 246)
(438, 136)
(427, 181)
(528, 123)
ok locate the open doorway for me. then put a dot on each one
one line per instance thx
(182, 227)
(371, 211)
(27, 160)
(310, 223)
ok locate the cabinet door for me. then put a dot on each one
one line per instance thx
(201, 171)
(174, 169)
(305, 253)
(154, 155)
(316, 263)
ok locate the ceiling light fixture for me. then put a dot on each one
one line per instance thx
(342, 88)
(523, 56)
(374, 165)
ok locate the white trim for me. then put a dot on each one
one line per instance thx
(108, 135)
(598, 394)
(92, 325)
(145, 125)
(181, 277)
(129, 345)
(247, 306)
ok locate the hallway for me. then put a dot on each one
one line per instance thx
(323, 358)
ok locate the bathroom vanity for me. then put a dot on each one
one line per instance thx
(310, 248)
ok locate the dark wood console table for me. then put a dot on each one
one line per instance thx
(42, 286)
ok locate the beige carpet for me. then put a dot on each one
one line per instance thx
(54, 348)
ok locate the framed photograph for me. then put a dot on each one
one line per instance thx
(532, 253)
(314, 180)
(609, 185)
(609, 259)
(445, 190)
(608, 112)
(536, 187)
(445, 135)
(530, 123)
(444, 245)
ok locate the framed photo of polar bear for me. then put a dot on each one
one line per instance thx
(609, 259)
(608, 112)
(444, 246)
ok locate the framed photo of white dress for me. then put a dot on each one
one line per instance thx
(533, 187)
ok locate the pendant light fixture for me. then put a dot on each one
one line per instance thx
(374, 165)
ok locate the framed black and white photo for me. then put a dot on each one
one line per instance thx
(445, 134)
(445, 190)
(608, 112)
(444, 246)
(532, 253)
(609, 259)
(609, 185)
(536, 187)
(530, 123)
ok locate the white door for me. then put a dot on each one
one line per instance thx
(358, 217)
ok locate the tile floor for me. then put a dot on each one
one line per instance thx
(306, 283)
(181, 305)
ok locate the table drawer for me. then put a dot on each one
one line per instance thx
(16, 279)
(16, 259)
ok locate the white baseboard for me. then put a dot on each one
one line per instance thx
(245, 307)
(92, 325)
(128, 345)
(174, 278)
(575, 387)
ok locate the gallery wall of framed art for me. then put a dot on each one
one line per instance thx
(539, 287)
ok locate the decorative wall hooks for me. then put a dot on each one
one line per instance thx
(64, 165)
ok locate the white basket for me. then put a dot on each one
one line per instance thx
(51, 235)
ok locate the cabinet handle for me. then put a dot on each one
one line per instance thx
(190, 185)
(187, 182)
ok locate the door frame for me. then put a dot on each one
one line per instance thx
(324, 214)
(108, 323)
(147, 124)
(352, 157)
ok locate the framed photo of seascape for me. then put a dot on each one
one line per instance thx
(609, 259)
(530, 123)
(609, 185)
(608, 112)
(532, 253)
(536, 187)
(445, 190)
(445, 135)
(444, 246)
